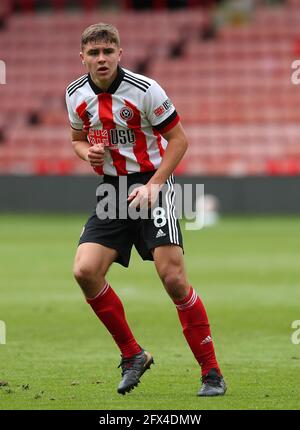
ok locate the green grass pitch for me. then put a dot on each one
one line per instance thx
(57, 355)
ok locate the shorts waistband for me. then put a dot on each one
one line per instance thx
(131, 177)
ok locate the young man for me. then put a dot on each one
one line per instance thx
(118, 122)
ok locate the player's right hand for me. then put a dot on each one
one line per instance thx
(95, 155)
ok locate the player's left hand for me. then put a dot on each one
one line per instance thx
(144, 196)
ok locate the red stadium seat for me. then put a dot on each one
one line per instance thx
(233, 93)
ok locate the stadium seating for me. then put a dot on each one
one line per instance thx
(233, 92)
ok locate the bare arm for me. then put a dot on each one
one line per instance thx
(93, 154)
(177, 145)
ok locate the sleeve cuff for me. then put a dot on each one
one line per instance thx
(168, 124)
(77, 129)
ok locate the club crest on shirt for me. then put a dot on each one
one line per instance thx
(126, 113)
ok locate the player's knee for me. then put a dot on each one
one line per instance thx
(174, 280)
(173, 277)
(84, 274)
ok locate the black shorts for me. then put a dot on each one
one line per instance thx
(120, 232)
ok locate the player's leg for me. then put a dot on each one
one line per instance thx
(169, 263)
(92, 262)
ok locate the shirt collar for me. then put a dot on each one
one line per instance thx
(113, 86)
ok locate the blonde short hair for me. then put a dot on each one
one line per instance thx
(100, 32)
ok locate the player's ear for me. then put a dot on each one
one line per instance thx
(81, 57)
(120, 54)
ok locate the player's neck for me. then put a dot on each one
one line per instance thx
(104, 84)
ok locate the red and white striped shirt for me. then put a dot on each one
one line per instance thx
(128, 119)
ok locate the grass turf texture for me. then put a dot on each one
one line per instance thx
(58, 356)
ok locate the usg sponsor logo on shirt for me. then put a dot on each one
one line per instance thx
(112, 138)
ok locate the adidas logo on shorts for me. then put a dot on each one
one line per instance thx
(160, 233)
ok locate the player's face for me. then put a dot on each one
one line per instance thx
(101, 60)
